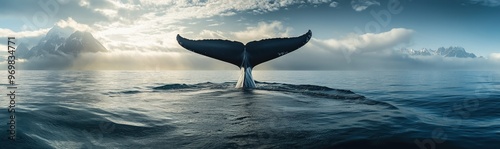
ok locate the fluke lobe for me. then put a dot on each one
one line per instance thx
(245, 56)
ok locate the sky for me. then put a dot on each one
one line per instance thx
(347, 34)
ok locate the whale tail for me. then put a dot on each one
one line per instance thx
(245, 56)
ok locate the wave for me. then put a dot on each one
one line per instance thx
(313, 91)
(67, 126)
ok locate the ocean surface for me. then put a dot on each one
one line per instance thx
(289, 109)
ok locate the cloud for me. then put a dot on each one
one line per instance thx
(263, 30)
(29, 38)
(208, 34)
(49, 12)
(326, 59)
(489, 3)
(360, 5)
(205, 9)
(216, 24)
(70, 23)
(318, 1)
(369, 42)
(495, 56)
(119, 24)
(352, 52)
(110, 13)
(334, 4)
(161, 21)
(23, 34)
(32, 37)
(145, 34)
(372, 52)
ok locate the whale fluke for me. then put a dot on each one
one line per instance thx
(245, 56)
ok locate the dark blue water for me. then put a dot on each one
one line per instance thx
(298, 109)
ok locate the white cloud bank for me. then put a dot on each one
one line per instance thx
(369, 42)
(372, 52)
